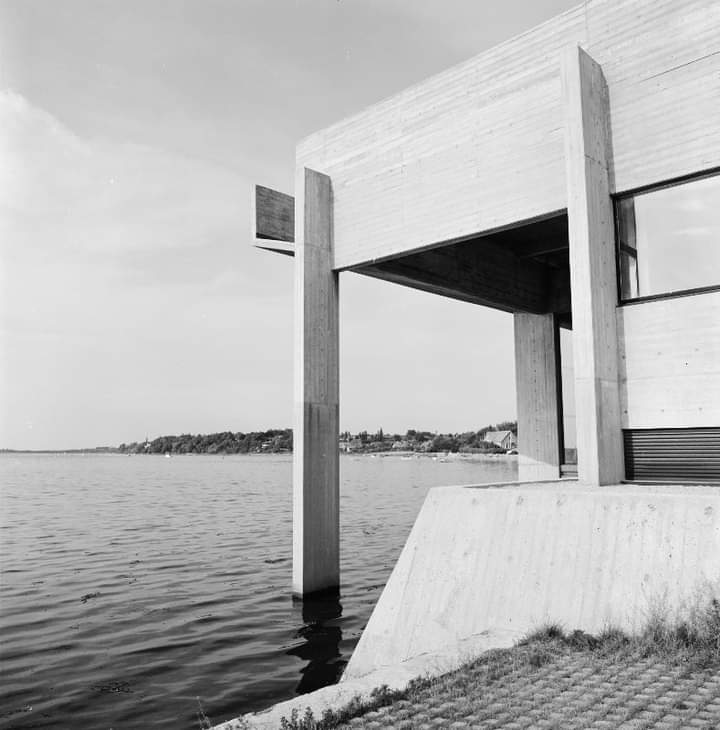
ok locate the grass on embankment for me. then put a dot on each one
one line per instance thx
(693, 642)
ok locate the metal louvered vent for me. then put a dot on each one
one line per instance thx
(672, 454)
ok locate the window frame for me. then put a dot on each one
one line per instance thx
(617, 198)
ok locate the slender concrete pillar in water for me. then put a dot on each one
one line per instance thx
(588, 159)
(536, 379)
(316, 516)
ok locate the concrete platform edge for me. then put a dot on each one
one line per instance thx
(395, 677)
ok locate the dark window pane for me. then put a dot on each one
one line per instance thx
(627, 249)
(669, 239)
(567, 373)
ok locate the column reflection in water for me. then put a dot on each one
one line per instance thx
(321, 634)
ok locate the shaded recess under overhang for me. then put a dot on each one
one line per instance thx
(524, 268)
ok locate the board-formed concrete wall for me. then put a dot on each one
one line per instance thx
(670, 362)
(480, 146)
(503, 560)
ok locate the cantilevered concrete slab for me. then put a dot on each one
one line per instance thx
(480, 146)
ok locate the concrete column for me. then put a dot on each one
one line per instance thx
(316, 517)
(536, 377)
(588, 157)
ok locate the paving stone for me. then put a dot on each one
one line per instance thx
(372, 715)
(696, 722)
(705, 714)
(671, 718)
(577, 690)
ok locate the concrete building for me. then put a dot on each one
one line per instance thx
(569, 176)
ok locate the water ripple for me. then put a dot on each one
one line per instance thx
(134, 585)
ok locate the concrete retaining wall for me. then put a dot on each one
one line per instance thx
(502, 560)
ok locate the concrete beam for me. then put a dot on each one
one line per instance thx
(588, 156)
(536, 377)
(316, 516)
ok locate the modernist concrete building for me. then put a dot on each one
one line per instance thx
(569, 176)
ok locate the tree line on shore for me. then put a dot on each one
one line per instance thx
(278, 441)
(274, 441)
(426, 441)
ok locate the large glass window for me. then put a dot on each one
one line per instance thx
(668, 239)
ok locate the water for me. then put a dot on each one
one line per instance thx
(136, 590)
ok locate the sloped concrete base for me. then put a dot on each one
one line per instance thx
(485, 565)
(509, 558)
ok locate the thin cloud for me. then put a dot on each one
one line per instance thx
(102, 196)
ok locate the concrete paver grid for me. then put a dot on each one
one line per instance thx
(573, 690)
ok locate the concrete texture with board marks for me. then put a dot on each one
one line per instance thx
(510, 558)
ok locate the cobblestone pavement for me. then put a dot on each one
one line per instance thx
(573, 690)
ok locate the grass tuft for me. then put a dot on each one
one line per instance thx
(203, 720)
(540, 656)
(379, 697)
(582, 641)
(693, 637)
(546, 632)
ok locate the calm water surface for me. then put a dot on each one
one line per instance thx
(137, 589)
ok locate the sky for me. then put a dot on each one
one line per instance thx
(132, 302)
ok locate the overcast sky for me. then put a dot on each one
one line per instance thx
(132, 301)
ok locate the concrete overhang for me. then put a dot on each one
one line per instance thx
(523, 268)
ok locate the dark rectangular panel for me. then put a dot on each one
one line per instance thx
(672, 454)
(274, 215)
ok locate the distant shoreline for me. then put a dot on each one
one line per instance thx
(109, 450)
(436, 455)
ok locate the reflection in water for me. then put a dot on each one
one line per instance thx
(322, 636)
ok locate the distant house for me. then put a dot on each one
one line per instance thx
(503, 439)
